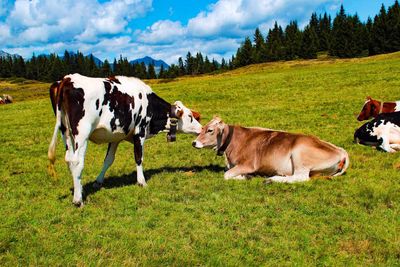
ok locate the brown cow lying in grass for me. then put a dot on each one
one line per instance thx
(287, 157)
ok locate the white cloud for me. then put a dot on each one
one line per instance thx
(83, 20)
(234, 17)
(163, 31)
(105, 29)
(4, 32)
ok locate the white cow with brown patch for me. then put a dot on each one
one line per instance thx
(284, 157)
(111, 110)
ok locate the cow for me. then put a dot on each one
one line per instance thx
(7, 99)
(282, 156)
(110, 110)
(372, 108)
(383, 132)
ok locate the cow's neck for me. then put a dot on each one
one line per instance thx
(159, 110)
(388, 107)
(226, 139)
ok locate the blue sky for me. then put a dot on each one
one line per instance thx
(163, 29)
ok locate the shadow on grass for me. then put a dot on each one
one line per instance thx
(130, 179)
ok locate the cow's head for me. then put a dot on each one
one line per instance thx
(370, 109)
(211, 134)
(188, 120)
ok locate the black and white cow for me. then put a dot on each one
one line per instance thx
(109, 111)
(382, 132)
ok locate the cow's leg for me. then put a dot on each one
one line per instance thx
(386, 145)
(138, 142)
(76, 167)
(108, 161)
(299, 176)
(227, 164)
(395, 146)
(301, 173)
(238, 172)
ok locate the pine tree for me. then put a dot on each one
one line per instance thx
(314, 24)
(309, 45)
(115, 68)
(31, 68)
(106, 69)
(143, 71)
(56, 71)
(161, 74)
(380, 35)
(6, 65)
(223, 64)
(189, 64)
(207, 65)
(151, 73)
(259, 51)
(293, 39)
(181, 67)
(173, 71)
(325, 33)
(357, 38)
(340, 34)
(67, 62)
(368, 32)
(18, 68)
(215, 65)
(243, 55)
(274, 44)
(199, 64)
(93, 70)
(393, 24)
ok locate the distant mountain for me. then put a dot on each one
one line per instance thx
(5, 54)
(149, 60)
(96, 60)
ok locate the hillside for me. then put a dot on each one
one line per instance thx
(188, 215)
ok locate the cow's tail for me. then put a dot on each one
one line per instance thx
(56, 98)
(343, 163)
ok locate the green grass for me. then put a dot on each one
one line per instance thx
(188, 215)
(21, 89)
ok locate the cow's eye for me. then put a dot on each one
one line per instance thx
(210, 131)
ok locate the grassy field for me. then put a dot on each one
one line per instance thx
(188, 215)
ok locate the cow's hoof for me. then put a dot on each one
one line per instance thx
(268, 181)
(142, 184)
(78, 204)
(97, 185)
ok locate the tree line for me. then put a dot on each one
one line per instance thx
(345, 37)
(53, 67)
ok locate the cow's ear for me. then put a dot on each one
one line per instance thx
(369, 98)
(217, 119)
(196, 115)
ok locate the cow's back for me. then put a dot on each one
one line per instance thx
(109, 108)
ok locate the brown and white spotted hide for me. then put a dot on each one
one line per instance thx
(282, 156)
(109, 111)
(372, 108)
